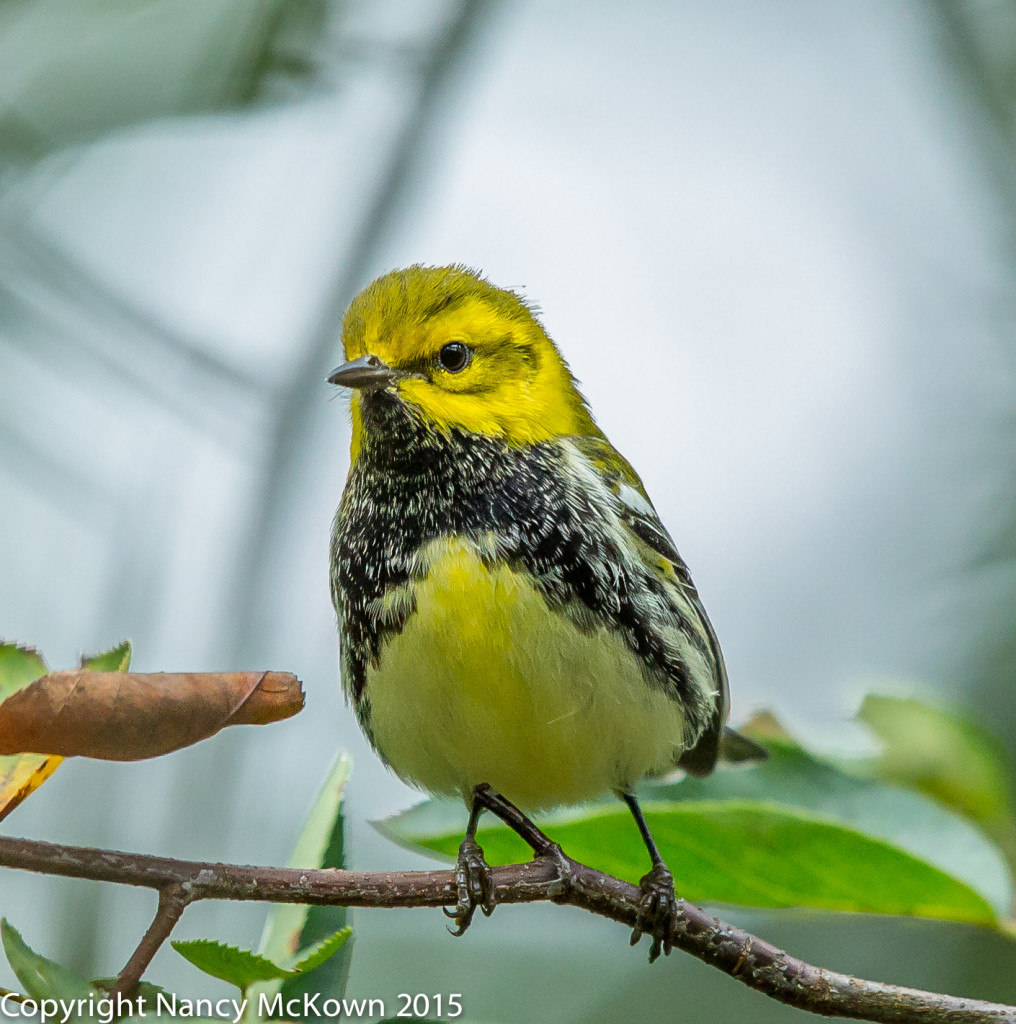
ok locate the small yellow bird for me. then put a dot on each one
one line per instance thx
(514, 619)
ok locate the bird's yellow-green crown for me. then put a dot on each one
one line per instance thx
(514, 385)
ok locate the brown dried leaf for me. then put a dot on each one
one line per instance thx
(21, 776)
(129, 716)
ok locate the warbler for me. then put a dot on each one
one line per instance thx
(514, 618)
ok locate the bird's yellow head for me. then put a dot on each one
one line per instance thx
(462, 354)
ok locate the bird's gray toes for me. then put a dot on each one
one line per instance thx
(474, 884)
(658, 912)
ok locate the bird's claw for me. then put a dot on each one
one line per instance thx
(474, 884)
(658, 911)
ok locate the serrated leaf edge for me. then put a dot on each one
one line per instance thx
(184, 945)
(307, 956)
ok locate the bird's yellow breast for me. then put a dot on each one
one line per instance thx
(486, 683)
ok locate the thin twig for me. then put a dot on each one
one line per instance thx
(746, 957)
(173, 901)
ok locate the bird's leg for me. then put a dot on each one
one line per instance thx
(472, 875)
(541, 844)
(658, 907)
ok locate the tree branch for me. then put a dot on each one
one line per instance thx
(173, 901)
(743, 956)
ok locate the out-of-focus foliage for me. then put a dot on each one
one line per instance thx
(980, 46)
(42, 978)
(948, 756)
(749, 853)
(793, 831)
(296, 940)
(291, 930)
(74, 69)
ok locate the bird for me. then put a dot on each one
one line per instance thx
(516, 625)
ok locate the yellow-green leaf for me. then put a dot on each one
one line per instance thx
(19, 666)
(116, 659)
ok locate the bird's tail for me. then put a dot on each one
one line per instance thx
(735, 748)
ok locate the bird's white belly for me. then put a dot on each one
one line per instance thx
(485, 684)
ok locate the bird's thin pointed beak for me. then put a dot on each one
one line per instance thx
(367, 372)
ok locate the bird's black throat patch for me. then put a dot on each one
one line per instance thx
(412, 484)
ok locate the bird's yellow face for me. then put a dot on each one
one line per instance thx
(463, 354)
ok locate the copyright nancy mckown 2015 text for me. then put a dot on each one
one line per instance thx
(309, 1005)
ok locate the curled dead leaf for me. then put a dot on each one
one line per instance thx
(129, 716)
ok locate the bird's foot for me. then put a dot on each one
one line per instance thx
(475, 886)
(658, 911)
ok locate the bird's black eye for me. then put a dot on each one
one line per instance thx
(454, 356)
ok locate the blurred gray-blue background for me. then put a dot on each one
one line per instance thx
(776, 243)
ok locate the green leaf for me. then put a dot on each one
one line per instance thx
(243, 968)
(293, 932)
(793, 831)
(116, 659)
(795, 778)
(318, 845)
(19, 666)
(954, 760)
(239, 967)
(42, 978)
(318, 954)
(756, 854)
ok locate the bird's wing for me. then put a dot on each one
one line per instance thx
(661, 555)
